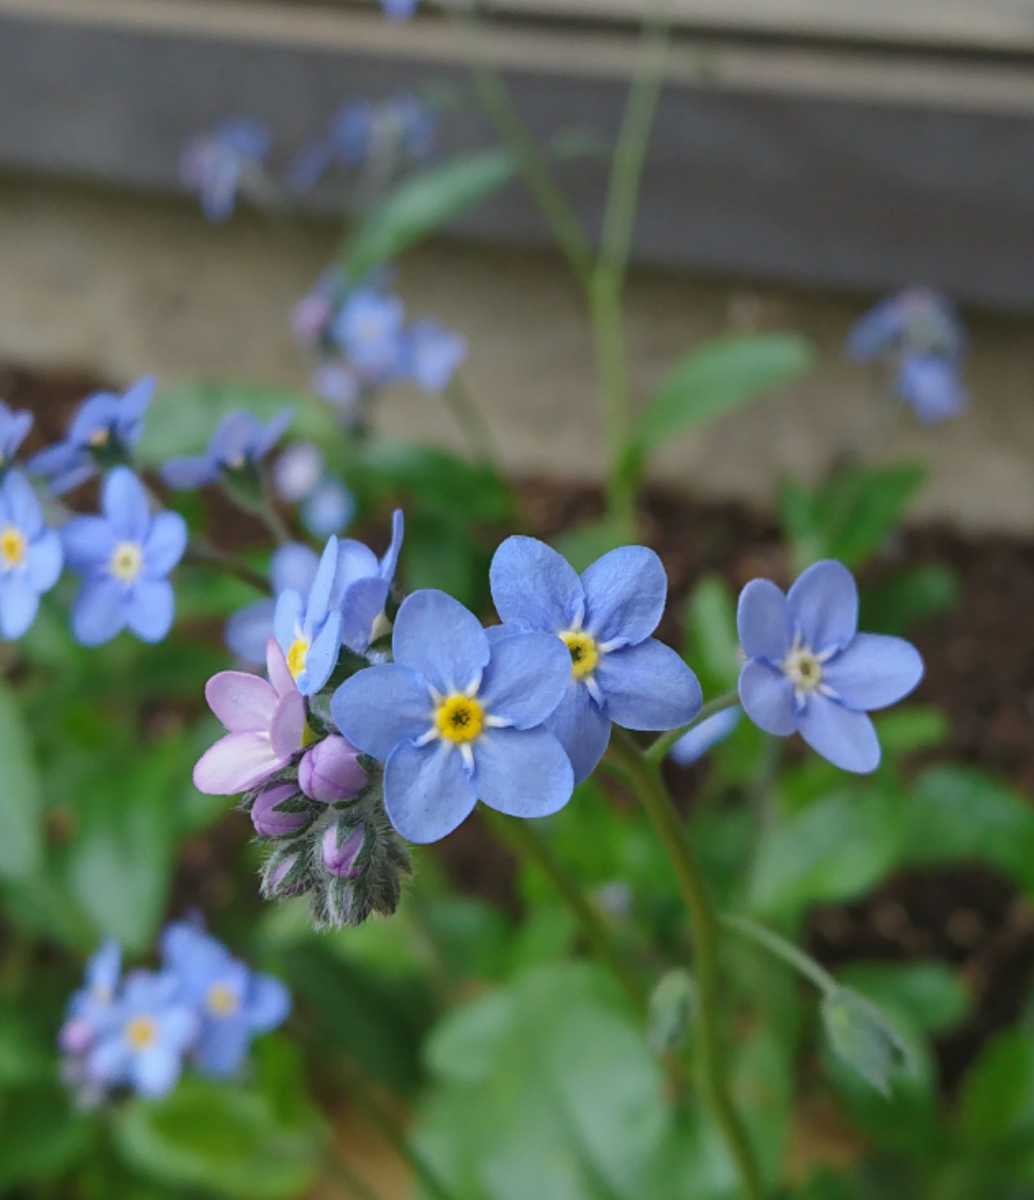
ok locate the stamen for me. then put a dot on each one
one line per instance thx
(459, 718)
(221, 1000)
(127, 560)
(12, 546)
(296, 656)
(140, 1032)
(584, 651)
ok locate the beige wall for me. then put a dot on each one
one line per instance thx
(123, 285)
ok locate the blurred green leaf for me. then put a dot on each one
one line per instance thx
(440, 483)
(41, 1135)
(583, 544)
(862, 1037)
(717, 378)
(712, 643)
(21, 803)
(915, 595)
(998, 1088)
(425, 203)
(911, 727)
(672, 1004)
(928, 995)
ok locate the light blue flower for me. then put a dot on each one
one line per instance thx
(334, 381)
(930, 384)
(215, 163)
(13, 428)
(233, 1003)
(434, 354)
(457, 717)
(293, 566)
(617, 671)
(239, 443)
(809, 670)
(917, 319)
(102, 433)
(30, 555)
(124, 556)
(89, 1008)
(297, 470)
(399, 10)
(362, 585)
(143, 1042)
(308, 629)
(696, 742)
(328, 508)
(370, 330)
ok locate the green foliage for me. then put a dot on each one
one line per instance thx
(672, 1003)
(21, 801)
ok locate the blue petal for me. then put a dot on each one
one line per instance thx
(223, 1046)
(625, 593)
(109, 1061)
(268, 1003)
(526, 678)
(823, 605)
(436, 636)
(361, 605)
(88, 543)
(319, 594)
(97, 412)
(54, 460)
(132, 408)
(124, 504)
(496, 633)
(581, 728)
(234, 439)
(44, 559)
(874, 671)
(248, 630)
(165, 543)
(763, 621)
(19, 602)
(844, 737)
(287, 618)
(522, 773)
(20, 501)
(272, 432)
(535, 586)
(648, 687)
(767, 698)
(427, 791)
(391, 557)
(379, 707)
(81, 469)
(696, 742)
(149, 608)
(98, 613)
(155, 1071)
(293, 566)
(184, 474)
(321, 656)
(355, 562)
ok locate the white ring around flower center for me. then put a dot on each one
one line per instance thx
(126, 562)
(803, 667)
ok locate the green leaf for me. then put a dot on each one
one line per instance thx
(442, 484)
(712, 642)
(718, 378)
(927, 996)
(585, 543)
(998, 1088)
(917, 594)
(41, 1135)
(912, 727)
(862, 1037)
(219, 1138)
(425, 203)
(672, 1004)
(21, 802)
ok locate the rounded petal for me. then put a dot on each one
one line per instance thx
(44, 560)
(277, 669)
(235, 763)
(321, 657)
(149, 608)
(648, 687)
(379, 707)
(223, 1046)
(523, 773)
(763, 621)
(696, 742)
(427, 791)
(285, 734)
(845, 737)
(767, 698)
(268, 1003)
(436, 636)
(20, 501)
(361, 605)
(823, 605)
(179, 1024)
(625, 593)
(156, 1070)
(293, 566)
(244, 703)
(99, 611)
(108, 1062)
(165, 543)
(526, 678)
(54, 460)
(88, 544)
(287, 617)
(132, 407)
(582, 728)
(875, 670)
(272, 432)
(319, 594)
(535, 586)
(19, 603)
(183, 474)
(124, 505)
(248, 630)
(391, 556)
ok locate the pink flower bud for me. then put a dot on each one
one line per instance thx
(340, 859)
(330, 771)
(75, 1036)
(269, 823)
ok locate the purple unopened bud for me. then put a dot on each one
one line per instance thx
(340, 859)
(273, 882)
(330, 771)
(268, 822)
(75, 1036)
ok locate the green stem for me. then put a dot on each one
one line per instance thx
(781, 948)
(656, 752)
(472, 421)
(533, 848)
(206, 555)
(706, 932)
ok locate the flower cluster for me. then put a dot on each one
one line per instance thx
(202, 1006)
(300, 477)
(221, 161)
(918, 335)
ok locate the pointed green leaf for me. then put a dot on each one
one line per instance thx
(862, 1037)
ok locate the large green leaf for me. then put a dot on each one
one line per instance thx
(999, 1089)
(718, 378)
(41, 1134)
(425, 203)
(21, 804)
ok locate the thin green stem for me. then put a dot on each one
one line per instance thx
(710, 1056)
(472, 421)
(206, 555)
(657, 750)
(533, 848)
(781, 948)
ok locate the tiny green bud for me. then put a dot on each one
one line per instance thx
(862, 1037)
(672, 1005)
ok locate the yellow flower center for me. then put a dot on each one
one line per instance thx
(221, 1001)
(141, 1032)
(126, 560)
(296, 656)
(99, 437)
(803, 669)
(12, 546)
(584, 652)
(459, 718)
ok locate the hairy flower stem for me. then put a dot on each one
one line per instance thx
(657, 750)
(710, 1060)
(531, 847)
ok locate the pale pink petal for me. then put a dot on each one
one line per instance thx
(235, 763)
(285, 733)
(244, 703)
(276, 666)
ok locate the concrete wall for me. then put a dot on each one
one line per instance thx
(122, 285)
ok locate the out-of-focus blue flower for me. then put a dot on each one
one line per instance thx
(458, 718)
(309, 630)
(434, 353)
(931, 385)
(239, 442)
(217, 162)
(234, 1003)
(102, 433)
(328, 508)
(399, 10)
(143, 1042)
(90, 1007)
(696, 742)
(124, 556)
(370, 330)
(809, 670)
(30, 555)
(247, 631)
(313, 315)
(616, 670)
(334, 381)
(917, 319)
(297, 470)
(13, 428)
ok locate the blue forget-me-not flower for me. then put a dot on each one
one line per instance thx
(809, 670)
(616, 671)
(90, 1007)
(308, 629)
(434, 353)
(240, 442)
(931, 385)
(292, 566)
(216, 163)
(14, 425)
(124, 556)
(30, 555)
(102, 433)
(370, 329)
(457, 717)
(328, 508)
